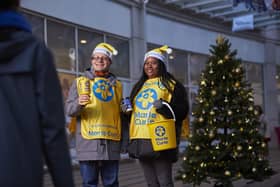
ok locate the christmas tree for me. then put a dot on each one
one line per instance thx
(224, 144)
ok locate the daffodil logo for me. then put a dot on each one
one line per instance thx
(160, 131)
(103, 91)
(145, 99)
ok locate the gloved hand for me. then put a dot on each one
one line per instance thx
(123, 107)
(158, 104)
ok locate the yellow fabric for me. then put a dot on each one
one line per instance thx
(185, 128)
(163, 49)
(152, 90)
(108, 47)
(72, 125)
(100, 119)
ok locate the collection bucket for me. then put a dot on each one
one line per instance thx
(163, 133)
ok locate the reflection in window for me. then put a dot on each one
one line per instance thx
(197, 65)
(120, 65)
(66, 81)
(37, 25)
(61, 40)
(87, 41)
(254, 75)
(177, 61)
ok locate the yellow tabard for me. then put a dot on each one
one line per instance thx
(152, 90)
(100, 119)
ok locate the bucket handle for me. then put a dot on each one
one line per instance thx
(166, 104)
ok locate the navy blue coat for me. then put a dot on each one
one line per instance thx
(31, 114)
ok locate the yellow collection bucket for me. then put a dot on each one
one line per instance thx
(163, 133)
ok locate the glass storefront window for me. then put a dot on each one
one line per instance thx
(177, 61)
(87, 41)
(37, 25)
(66, 81)
(277, 77)
(61, 40)
(197, 65)
(120, 65)
(254, 75)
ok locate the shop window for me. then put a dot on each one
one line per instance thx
(87, 41)
(177, 62)
(66, 81)
(61, 40)
(37, 24)
(120, 65)
(254, 75)
(197, 65)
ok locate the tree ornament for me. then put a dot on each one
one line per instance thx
(220, 40)
(212, 83)
(203, 83)
(184, 176)
(201, 119)
(237, 70)
(223, 77)
(229, 112)
(226, 100)
(254, 170)
(197, 148)
(250, 147)
(184, 158)
(250, 108)
(212, 112)
(241, 129)
(227, 173)
(237, 84)
(211, 134)
(220, 61)
(263, 145)
(239, 148)
(213, 92)
(256, 113)
(227, 57)
(211, 71)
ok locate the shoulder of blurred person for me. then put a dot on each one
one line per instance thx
(31, 106)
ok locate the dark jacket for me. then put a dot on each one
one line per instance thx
(31, 114)
(179, 104)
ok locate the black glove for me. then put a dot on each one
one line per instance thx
(158, 104)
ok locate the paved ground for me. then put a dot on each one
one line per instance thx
(131, 175)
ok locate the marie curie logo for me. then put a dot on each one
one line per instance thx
(160, 131)
(146, 98)
(103, 90)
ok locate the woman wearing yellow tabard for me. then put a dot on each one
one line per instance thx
(155, 86)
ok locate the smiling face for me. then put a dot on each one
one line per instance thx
(100, 62)
(151, 67)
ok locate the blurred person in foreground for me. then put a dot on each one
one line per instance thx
(155, 87)
(31, 109)
(94, 100)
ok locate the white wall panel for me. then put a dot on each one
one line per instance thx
(103, 15)
(186, 37)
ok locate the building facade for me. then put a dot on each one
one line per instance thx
(72, 28)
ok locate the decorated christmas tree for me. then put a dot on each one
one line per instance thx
(224, 144)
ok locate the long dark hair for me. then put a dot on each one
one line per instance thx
(165, 78)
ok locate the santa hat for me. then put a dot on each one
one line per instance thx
(159, 53)
(105, 49)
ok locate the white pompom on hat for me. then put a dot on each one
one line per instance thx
(105, 49)
(158, 53)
